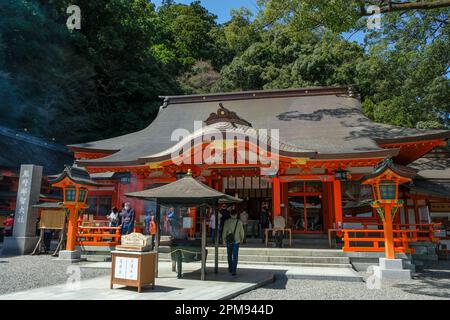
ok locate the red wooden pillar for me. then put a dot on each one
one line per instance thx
(72, 227)
(325, 207)
(276, 196)
(337, 203)
(139, 204)
(388, 232)
(192, 214)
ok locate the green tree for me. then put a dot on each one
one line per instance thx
(185, 34)
(240, 32)
(200, 79)
(282, 61)
(404, 80)
(42, 79)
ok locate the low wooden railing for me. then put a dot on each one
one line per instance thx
(425, 232)
(98, 236)
(372, 239)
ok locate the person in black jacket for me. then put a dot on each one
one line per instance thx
(264, 221)
(225, 215)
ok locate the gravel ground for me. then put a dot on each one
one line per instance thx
(429, 284)
(27, 272)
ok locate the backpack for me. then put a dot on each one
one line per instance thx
(229, 239)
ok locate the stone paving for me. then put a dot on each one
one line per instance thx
(168, 287)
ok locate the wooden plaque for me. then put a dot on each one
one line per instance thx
(52, 219)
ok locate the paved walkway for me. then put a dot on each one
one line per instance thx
(168, 287)
(290, 272)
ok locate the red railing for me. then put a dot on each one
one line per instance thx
(98, 236)
(372, 240)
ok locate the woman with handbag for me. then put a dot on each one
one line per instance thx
(232, 236)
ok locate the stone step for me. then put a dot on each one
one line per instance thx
(293, 264)
(363, 266)
(284, 252)
(96, 257)
(425, 257)
(422, 244)
(282, 259)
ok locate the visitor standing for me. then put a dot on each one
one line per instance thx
(128, 217)
(244, 219)
(171, 218)
(224, 216)
(150, 226)
(212, 226)
(264, 221)
(114, 219)
(165, 220)
(9, 224)
(233, 234)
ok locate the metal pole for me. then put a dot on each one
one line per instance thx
(203, 245)
(216, 240)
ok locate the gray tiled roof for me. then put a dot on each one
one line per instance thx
(185, 190)
(324, 123)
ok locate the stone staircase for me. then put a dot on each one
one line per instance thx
(96, 253)
(286, 257)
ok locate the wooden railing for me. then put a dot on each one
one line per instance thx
(98, 236)
(372, 240)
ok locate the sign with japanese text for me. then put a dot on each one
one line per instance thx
(25, 218)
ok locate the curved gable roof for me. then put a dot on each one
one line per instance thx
(327, 121)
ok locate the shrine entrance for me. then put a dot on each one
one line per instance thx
(304, 212)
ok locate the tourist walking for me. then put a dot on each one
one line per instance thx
(233, 234)
(128, 216)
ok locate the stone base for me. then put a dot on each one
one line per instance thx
(14, 246)
(391, 270)
(68, 255)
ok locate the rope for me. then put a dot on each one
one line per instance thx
(184, 250)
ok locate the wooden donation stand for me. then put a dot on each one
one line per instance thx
(133, 264)
(51, 219)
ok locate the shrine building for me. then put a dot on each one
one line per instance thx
(303, 151)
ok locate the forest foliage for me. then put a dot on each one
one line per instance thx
(106, 78)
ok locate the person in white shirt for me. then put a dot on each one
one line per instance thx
(212, 225)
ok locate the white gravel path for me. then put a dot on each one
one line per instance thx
(28, 272)
(429, 284)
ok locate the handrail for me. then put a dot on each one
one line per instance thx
(401, 240)
(98, 236)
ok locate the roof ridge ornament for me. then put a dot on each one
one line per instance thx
(225, 115)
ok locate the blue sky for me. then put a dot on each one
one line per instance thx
(221, 8)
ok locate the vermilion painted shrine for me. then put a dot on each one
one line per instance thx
(325, 146)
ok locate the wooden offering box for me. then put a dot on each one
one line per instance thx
(134, 269)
